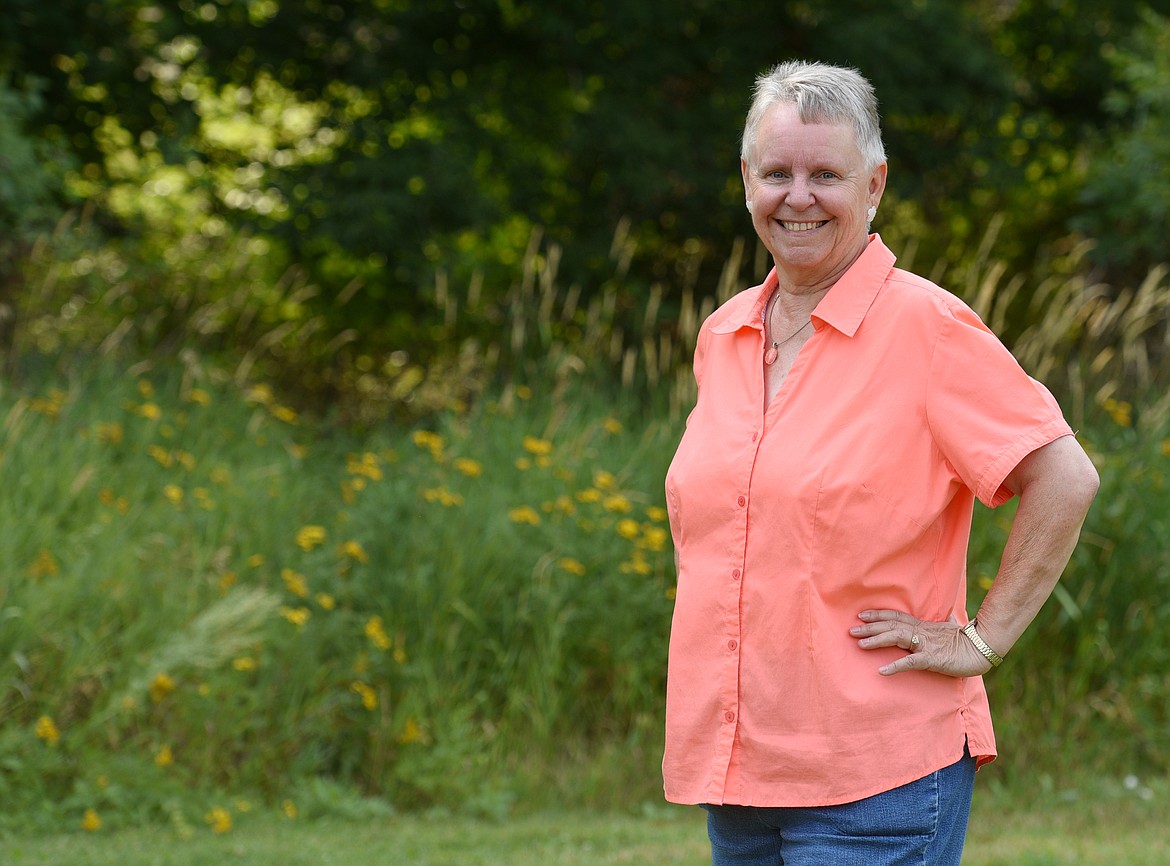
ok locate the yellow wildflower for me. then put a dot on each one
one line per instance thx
(220, 476)
(295, 582)
(637, 565)
(985, 583)
(145, 389)
(185, 459)
(523, 464)
(199, 396)
(353, 549)
(298, 616)
(289, 808)
(376, 631)
(1120, 411)
(1166, 447)
(399, 654)
(111, 433)
(244, 664)
(161, 686)
(628, 528)
(367, 466)
(412, 732)
(284, 413)
(219, 819)
(604, 480)
(91, 822)
(47, 731)
(309, 537)
(243, 806)
(443, 496)
(164, 757)
(259, 394)
(612, 426)
(469, 467)
(617, 503)
(524, 392)
(326, 601)
(429, 441)
(173, 494)
(543, 461)
(49, 406)
(150, 411)
(227, 580)
(161, 456)
(45, 565)
(537, 446)
(368, 695)
(656, 513)
(563, 504)
(573, 566)
(653, 538)
(590, 494)
(255, 560)
(524, 514)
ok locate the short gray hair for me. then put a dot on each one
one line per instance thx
(822, 94)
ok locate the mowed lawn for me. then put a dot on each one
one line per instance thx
(1119, 824)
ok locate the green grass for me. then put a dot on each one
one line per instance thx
(1096, 825)
(210, 599)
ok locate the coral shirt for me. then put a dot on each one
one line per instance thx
(854, 490)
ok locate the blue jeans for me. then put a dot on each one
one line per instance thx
(923, 823)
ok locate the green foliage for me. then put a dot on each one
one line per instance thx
(26, 188)
(1128, 211)
(504, 119)
(210, 598)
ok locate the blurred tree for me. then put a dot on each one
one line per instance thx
(1127, 195)
(377, 142)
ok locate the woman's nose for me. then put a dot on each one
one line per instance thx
(799, 193)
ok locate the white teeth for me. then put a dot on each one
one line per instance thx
(801, 227)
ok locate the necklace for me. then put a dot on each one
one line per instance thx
(774, 350)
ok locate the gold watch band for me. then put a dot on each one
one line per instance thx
(991, 655)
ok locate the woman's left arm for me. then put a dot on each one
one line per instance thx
(1056, 484)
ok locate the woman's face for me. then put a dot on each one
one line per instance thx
(810, 193)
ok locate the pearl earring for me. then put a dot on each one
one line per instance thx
(749, 205)
(871, 214)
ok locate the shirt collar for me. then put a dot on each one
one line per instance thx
(843, 307)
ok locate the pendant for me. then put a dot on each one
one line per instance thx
(770, 355)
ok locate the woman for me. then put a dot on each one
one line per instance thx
(825, 702)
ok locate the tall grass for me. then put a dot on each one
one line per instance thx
(209, 597)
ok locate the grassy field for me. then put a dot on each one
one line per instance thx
(1106, 824)
(214, 600)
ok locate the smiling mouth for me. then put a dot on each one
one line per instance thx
(802, 227)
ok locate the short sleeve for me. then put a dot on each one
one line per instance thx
(985, 413)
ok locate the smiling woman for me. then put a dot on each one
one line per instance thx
(810, 191)
(849, 413)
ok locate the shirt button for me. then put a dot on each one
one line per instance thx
(731, 645)
(735, 574)
(742, 501)
(755, 436)
(729, 716)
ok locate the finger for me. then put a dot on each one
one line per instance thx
(884, 616)
(909, 662)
